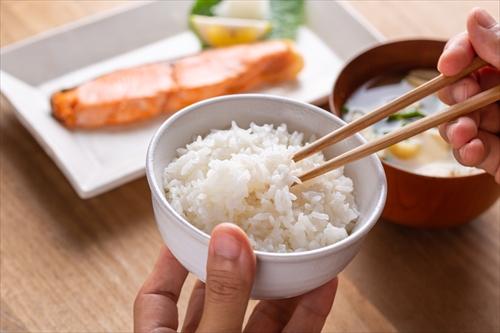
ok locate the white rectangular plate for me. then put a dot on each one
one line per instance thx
(97, 161)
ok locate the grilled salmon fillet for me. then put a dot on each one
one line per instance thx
(140, 93)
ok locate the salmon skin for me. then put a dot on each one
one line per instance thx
(140, 93)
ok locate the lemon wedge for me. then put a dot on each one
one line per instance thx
(225, 31)
(405, 149)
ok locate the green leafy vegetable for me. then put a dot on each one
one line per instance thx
(286, 15)
(204, 7)
(344, 110)
(286, 18)
(405, 122)
(406, 115)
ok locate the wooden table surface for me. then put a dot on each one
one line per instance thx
(72, 265)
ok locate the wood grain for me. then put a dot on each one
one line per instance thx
(421, 18)
(20, 19)
(70, 265)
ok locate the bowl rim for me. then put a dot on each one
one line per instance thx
(349, 63)
(158, 194)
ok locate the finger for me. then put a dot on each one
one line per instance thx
(459, 91)
(155, 307)
(457, 54)
(443, 128)
(195, 308)
(482, 152)
(490, 119)
(484, 35)
(312, 309)
(230, 274)
(489, 77)
(456, 93)
(470, 154)
(489, 116)
(271, 316)
(462, 130)
(453, 94)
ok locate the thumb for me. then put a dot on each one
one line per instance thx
(230, 274)
(484, 34)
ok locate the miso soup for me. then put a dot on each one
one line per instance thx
(426, 153)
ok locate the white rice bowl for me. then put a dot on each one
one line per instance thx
(243, 176)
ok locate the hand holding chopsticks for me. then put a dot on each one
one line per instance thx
(432, 86)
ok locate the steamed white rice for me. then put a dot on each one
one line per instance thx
(243, 176)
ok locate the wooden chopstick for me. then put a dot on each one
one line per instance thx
(397, 104)
(476, 102)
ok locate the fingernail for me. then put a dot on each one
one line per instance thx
(484, 19)
(226, 246)
(459, 93)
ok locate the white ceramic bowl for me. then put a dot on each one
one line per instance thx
(279, 275)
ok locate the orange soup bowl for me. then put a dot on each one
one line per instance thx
(412, 199)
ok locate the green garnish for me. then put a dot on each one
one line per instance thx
(405, 122)
(344, 110)
(406, 115)
(204, 7)
(286, 16)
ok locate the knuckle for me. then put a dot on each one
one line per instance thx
(223, 286)
(445, 96)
